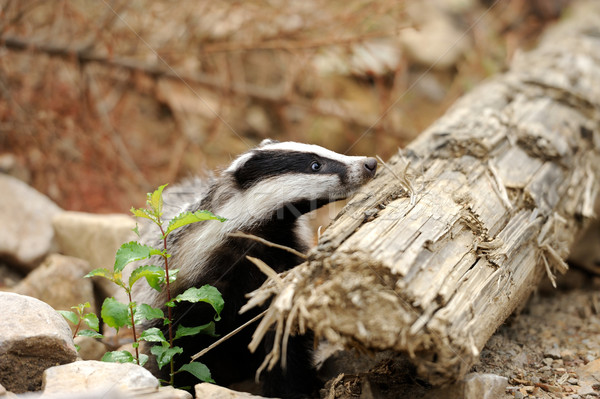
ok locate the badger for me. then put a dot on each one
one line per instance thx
(264, 192)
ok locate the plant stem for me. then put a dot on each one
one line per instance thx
(137, 352)
(169, 311)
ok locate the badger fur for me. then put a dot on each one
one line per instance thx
(264, 192)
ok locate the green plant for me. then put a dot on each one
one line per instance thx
(79, 317)
(118, 315)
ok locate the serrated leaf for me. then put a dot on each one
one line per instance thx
(206, 293)
(147, 312)
(142, 213)
(115, 313)
(70, 316)
(186, 218)
(198, 370)
(208, 329)
(92, 321)
(155, 200)
(118, 357)
(89, 333)
(101, 272)
(153, 335)
(131, 252)
(153, 274)
(143, 359)
(164, 354)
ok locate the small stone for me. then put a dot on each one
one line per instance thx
(90, 348)
(484, 386)
(547, 361)
(91, 375)
(573, 381)
(206, 390)
(553, 353)
(519, 395)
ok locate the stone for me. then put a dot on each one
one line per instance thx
(27, 235)
(92, 375)
(94, 238)
(59, 282)
(473, 386)
(589, 375)
(33, 337)
(211, 391)
(90, 348)
(436, 42)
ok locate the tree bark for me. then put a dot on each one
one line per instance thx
(430, 262)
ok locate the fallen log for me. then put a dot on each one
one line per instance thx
(457, 230)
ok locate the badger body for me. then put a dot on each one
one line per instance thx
(264, 192)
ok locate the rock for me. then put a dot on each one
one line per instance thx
(27, 235)
(90, 348)
(33, 337)
(92, 375)
(589, 375)
(211, 391)
(94, 238)
(59, 282)
(436, 42)
(473, 386)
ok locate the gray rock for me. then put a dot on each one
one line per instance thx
(473, 386)
(211, 391)
(33, 337)
(27, 235)
(92, 375)
(90, 348)
(59, 282)
(94, 238)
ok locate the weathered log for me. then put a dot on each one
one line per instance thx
(501, 185)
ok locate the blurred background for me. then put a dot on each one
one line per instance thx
(102, 101)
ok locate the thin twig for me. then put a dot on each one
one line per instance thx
(239, 234)
(226, 337)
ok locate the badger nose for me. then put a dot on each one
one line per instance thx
(371, 166)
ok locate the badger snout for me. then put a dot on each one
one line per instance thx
(370, 167)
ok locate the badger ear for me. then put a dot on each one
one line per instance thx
(267, 142)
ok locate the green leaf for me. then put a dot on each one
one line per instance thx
(155, 200)
(101, 272)
(206, 293)
(164, 354)
(153, 274)
(143, 359)
(71, 316)
(132, 251)
(136, 230)
(147, 312)
(172, 275)
(115, 313)
(208, 329)
(199, 370)
(92, 321)
(77, 347)
(143, 213)
(153, 335)
(186, 218)
(118, 357)
(89, 333)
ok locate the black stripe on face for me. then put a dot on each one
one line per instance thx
(265, 164)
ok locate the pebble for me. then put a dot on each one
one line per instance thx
(548, 361)
(573, 381)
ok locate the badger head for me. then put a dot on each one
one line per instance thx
(290, 179)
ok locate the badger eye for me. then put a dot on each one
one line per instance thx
(315, 166)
